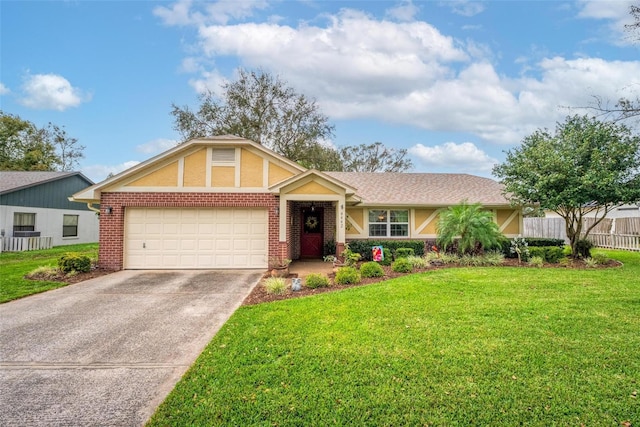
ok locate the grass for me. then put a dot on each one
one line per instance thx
(464, 346)
(14, 265)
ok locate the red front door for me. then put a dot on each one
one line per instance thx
(311, 242)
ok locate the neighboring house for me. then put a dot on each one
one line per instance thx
(36, 204)
(622, 211)
(227, 202)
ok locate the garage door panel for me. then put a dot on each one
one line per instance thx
(196, 238)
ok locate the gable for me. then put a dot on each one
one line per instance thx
(313, 187)
(209, 168)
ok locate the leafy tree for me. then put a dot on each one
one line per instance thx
(25, 147)
(322, 158)
(262, 108)
(374, 158)
(586, 166)
(469, 225)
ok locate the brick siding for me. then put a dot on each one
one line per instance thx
(111, 251)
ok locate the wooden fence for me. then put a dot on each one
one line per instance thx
(19, 244)
(613, 233)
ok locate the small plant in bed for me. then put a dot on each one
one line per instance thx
(275, 285)
(316, 280)
(371, 269)
(347, 275)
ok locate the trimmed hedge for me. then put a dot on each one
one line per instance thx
(363, 247)
(371, 269)
(532, 242)
(550, 254)
(404, 253)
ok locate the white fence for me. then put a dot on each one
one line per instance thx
(19, 244)
(616, 233)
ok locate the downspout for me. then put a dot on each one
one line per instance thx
(91, 208)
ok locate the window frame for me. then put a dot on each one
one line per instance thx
(24, 227)
(70, 226)
(387, 222)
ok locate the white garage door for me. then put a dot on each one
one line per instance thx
(195, 238)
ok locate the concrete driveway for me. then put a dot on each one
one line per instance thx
(107, 351)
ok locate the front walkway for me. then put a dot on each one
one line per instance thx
(304, 267)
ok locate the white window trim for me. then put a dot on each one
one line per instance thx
(388, 224)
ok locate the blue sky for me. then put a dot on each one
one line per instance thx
(455, 82)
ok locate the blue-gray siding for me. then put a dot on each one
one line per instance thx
(51, 194)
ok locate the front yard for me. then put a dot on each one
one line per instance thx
(472, 346)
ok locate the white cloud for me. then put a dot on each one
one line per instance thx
(50, 92)
(156, 146)
(358, 66)
(464, 157)
(99, 173)
(3, 89)
(404, 12)
(465, 7)
(220, 12)
(616, 12)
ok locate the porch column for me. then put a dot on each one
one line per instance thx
(340, 225)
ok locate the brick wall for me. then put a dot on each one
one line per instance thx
(110, 255)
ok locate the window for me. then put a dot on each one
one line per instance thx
(24, 221)
(70, 226)
(388, 223)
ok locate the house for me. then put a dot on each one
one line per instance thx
(36, 204)
(227, 202)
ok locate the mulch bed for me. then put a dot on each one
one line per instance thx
(59, 276)
(259, 294)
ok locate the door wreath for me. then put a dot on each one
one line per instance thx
(311, 223)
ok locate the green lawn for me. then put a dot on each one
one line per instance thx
(14, 265)
(468, 346)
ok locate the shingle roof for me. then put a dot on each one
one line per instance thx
(431, 189)
(12, 181)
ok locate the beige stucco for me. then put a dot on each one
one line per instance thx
(195, 167)
(355, 217)
(278, 173)
(508, 220)
(426, 215)
(223, 176)
(312, 188)
(251, 166)
(166, 176)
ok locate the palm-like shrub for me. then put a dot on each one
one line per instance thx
(469, 226)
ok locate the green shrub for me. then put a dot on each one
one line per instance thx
(553, 254)
(275, 285)
(418, 261)
(316, 280)
(404, 252)
(401, 265)
(45, 270)
(564, 262)
(329, 247)
(387, 259)
(74, 261)
(536, 261)
(590, 262)
(351, 257)
(449, 258)
(363, 247)
(347, 275)
(493, 258)
(583, 247)
(601, 259)
(541, 241)
(371, 269)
